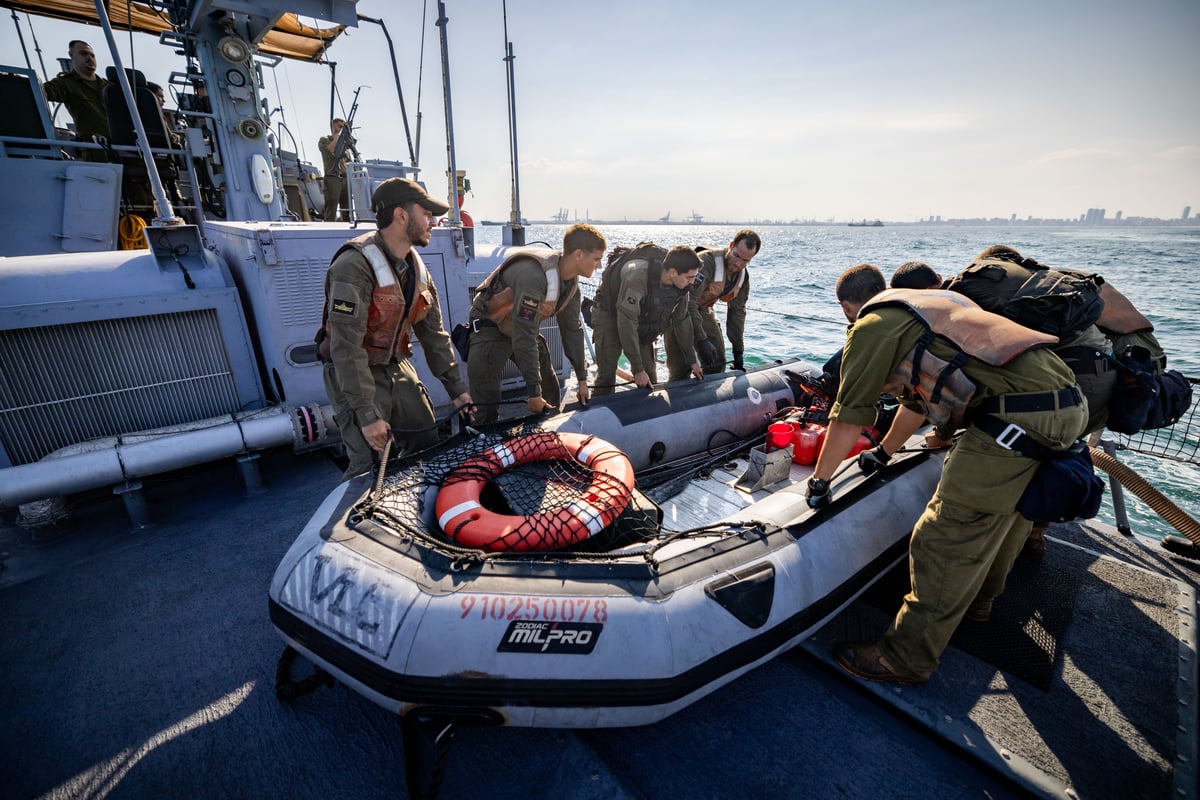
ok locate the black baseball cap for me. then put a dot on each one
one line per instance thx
(401, 192)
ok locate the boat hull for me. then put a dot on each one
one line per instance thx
(588, 640)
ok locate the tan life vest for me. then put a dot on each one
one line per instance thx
(1119, 315)
(498, 306)
(389, 319)
(941, 387)
(714, 290)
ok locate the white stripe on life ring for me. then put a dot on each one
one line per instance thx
(502, 452)
(590, 449)
(461, 508)
(588, 514)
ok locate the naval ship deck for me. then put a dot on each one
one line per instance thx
(142, 664)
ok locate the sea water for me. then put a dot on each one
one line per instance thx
(792, 312)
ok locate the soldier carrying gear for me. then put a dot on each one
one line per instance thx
(643, 293)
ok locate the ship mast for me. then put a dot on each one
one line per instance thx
(452, 173)
(515, 230)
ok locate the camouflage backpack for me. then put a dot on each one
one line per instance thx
(1052, 301)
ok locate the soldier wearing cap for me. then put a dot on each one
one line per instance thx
(378, 294)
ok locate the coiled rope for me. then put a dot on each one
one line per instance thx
(129, 232)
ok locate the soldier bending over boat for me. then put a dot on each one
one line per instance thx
(723, 276)
(971, 532)
(531, 285)
(644, 292)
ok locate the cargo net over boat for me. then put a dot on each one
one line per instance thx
(544, 492)
(519, 489)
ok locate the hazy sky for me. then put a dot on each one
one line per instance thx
(773, 110)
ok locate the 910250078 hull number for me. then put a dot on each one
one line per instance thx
(510, 607)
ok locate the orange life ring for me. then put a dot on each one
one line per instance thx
(467, 522)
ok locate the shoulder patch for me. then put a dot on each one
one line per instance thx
(632, 299)
(700, 279)
(345, 307)
(527, 308)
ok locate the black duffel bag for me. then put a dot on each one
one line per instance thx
(1143, 400)
(1065, 487)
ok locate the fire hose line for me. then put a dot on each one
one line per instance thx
(130, 232)
(1166, 509)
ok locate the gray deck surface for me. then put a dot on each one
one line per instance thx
(142, 665)
(1105, 637)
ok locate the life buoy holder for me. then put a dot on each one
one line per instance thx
(467, 522)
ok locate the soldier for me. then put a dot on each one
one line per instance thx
(82, 91)
(1000, 379)
(915, 275)
(378, 293)
(335, 173)
(644, 292)
(723, 276)
(531, 285)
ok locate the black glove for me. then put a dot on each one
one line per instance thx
(873, 460)
(818, 494)
(707, 352)
(737, 365)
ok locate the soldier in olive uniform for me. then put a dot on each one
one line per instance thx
(723, 276)
(82, 91)
(335, 174)
(970, 533)
(531, 285)
(641, 295)
(915, 275)
(378, 294)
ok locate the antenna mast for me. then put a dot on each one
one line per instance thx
(515, 227)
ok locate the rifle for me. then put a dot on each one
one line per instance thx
(345, 141)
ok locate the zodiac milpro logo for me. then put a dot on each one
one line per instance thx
(578, 638)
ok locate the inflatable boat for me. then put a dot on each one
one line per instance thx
(665, 552)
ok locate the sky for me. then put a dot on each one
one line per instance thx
(632, 109)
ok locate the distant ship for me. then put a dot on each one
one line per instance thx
(864, 224)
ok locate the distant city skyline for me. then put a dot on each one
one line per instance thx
(779, 109)
(1092, 217)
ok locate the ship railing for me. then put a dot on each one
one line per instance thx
(1179, 443)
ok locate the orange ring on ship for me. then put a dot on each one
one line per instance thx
(467, 522)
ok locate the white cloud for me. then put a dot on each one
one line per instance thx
(930, 123)
(1077, 154)
(1183, 151)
